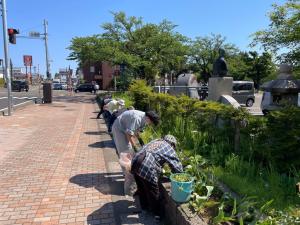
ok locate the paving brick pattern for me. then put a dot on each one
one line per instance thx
(52, 170)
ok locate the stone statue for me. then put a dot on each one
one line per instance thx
(220, 66)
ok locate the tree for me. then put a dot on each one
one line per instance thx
(146, 50)
(259, 66)
(283, 33)
(204, 51)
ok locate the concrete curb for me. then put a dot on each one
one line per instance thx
(3, 112)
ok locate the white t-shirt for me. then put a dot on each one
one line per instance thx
(113, 106)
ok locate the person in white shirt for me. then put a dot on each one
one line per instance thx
(114, 105)
(111, 107)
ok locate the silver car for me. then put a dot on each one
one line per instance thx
(243, 92)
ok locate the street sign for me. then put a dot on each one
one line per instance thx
(27, 59)
(34, 34)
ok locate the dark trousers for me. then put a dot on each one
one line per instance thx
(149, 195)
(111, 121)
(99, 114)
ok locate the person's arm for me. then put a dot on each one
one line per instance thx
(175, 165)
(130, 138)
(173, 161)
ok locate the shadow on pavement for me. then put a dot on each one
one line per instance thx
(102, 144)
(106, 183)
(125, 212)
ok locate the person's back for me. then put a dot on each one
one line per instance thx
(131, 119)
(146, 167)
(156, 154)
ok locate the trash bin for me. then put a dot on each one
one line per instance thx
(47, 92)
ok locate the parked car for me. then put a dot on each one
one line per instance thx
(85, 88)
(19, 85)
(243, 92)
(57, 86)
(64, 86)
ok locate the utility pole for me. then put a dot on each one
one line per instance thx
(46, 48)
(39, 80)
(6, 59)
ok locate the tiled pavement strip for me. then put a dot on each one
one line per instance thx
(57, 166)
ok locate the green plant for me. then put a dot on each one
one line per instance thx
(182, 177)
(206, 130)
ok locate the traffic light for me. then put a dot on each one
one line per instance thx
(12, 35)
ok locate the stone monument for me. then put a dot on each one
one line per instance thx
(284, 90)
(219, 84)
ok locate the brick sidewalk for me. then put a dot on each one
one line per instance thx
(53, 170)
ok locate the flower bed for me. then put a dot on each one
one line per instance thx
(207, 150)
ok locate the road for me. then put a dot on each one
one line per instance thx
(18, 97)
(23, 96)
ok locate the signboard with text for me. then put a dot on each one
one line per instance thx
(27, 59)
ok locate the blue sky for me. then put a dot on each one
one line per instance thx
(234, 19)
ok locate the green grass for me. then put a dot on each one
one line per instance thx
(247, 179)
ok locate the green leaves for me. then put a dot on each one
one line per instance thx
(283, 32)
(146, 50)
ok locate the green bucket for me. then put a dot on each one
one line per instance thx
(181, 191)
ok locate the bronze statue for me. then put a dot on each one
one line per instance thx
(220, 66)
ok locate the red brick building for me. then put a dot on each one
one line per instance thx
(100, 72)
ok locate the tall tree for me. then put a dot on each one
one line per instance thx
(204, 51)
(283, 33)
(146, 50)
(259, 66)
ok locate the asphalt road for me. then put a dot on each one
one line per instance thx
(18, 97)
(23, 96)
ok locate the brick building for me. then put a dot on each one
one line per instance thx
(100, 72)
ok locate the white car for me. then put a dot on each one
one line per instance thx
(64, 86)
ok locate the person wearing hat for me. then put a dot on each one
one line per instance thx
(111, 107)
(146, 166)
(114, 105)
(125, 130)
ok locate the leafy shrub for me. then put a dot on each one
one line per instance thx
(202, 127)
(279, 140)
(140, 94)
